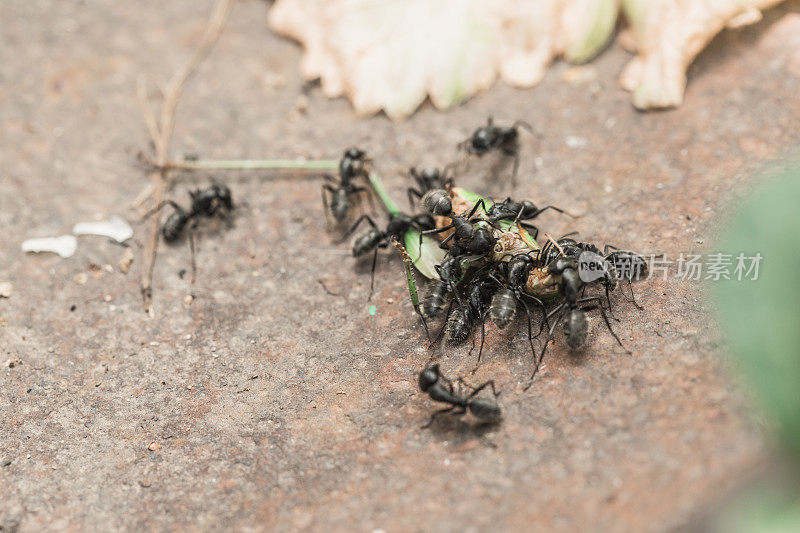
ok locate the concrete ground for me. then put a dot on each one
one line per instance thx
(274, 400)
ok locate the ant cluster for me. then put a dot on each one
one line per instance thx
(491, 264)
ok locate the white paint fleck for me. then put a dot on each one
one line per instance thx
(575, 142)
(114, 228)
(64, 245)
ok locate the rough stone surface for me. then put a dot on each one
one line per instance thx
(269, 402)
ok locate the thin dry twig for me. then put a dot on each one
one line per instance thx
(161, 134)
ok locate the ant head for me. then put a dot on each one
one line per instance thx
(519, 268)
(224, 195)
(528, 207)
(355, 153)
(482, 139)
(430, 174)
(429, 377)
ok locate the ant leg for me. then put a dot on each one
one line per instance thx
(445, 241)
(437, 230)
(524, 125)
(483, 336)
(447, 182)
(192, 253)
(432, 231)
(368, 192)
(159, 207)
(436, 414)
(546, 342)
(472, 338)
(530, 330)
(554, 208)
(633, 297)
(480, 204)
(516, 169)
(608, 299)
(530, 228)
(602, 313)
(372, 274)
(325, 202)
(413, 193)
(444, 324)
(350, 231)
(479, 388)
(609, 247)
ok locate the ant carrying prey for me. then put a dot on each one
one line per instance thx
(440, 389)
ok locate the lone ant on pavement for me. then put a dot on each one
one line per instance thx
(352, 166)
(503, 138)
(214, 201)
(376, 238)
(440, 389)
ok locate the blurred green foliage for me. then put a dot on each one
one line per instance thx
(761, 320)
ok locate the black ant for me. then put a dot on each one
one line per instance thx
(469, 236)
(573, 308)
(399, 224)
(440, 389)
(214, 201)
(628, 266)
(459, 323)
(491, 137)
(504, 303)
(519, 211)
(353, 165)
(435, 298)
(427, 180)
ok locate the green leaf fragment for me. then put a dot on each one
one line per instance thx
(427, 256)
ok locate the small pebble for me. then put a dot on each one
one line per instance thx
(6, 289)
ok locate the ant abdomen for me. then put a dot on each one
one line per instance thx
(340, 204)
(486, 410)
(173, 226)
(437, 202)
(458, 327)
(577, 329)
(433, 302)
(367, 242)
(503, 308)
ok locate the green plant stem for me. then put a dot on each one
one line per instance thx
(256, 164)
(380, 190)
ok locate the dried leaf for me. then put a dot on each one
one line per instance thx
(390, 54)
(668, 35)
